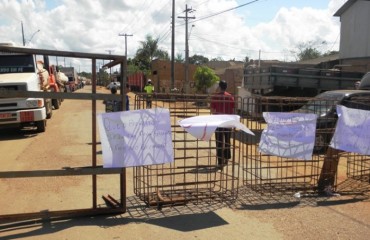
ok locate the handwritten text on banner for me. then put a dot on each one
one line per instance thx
(352, 131)
(136, 138)
(289, 135)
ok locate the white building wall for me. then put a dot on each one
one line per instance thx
(355, 31)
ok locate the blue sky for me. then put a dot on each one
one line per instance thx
(265, 10)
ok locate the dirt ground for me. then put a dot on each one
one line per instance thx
(67, 143)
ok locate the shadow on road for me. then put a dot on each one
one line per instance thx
(13, 133)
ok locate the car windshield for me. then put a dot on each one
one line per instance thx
(323, 103)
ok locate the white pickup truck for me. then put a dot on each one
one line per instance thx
(19, 72)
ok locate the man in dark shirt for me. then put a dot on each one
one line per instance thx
(222, 102)
(116, 106)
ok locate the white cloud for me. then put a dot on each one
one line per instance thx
(94, 25)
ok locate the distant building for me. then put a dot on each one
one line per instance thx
(161, 76)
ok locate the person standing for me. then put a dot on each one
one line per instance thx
(149, 89)
(222, 102)
(114, 105)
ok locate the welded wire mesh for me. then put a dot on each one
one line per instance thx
(194, 175)
(274, 174)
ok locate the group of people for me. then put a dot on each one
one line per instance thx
(116, 106)
(222, 102)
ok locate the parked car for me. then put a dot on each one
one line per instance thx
(324, 106)
(110, 85)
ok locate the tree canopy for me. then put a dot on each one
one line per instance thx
(148, 51)
(204, 78)
(198, 59)
(308, 50)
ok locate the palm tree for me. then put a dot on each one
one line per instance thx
(148, 52)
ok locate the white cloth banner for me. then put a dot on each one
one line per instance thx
(136, 138)
(202, 127)
(289, 135)
(352, 132)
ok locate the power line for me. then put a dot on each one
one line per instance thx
(227, 10)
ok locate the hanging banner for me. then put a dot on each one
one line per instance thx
(202, 127)
(136, 138)
(290, 135)
(352, 131)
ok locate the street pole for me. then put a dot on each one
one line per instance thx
(124, 70)
(173, 47)
(24, 41)
(187, 10)
(110, 69)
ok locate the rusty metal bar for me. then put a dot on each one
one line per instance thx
(79, 171)
(93, 133)
(94, 170)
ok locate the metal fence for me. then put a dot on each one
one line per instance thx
(194, 175)
(280, 175)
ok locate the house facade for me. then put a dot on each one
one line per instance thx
(161, 76)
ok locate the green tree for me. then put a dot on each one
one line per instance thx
(217, 59)
(204, 77)
(179, 58)
(149, 51)
(329, 53)
(85, 74)
(103, 77)
(308, 53)
(198, 59)
(308, 50)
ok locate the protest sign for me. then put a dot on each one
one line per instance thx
(136, 138)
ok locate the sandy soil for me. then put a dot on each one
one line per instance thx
(67, 143)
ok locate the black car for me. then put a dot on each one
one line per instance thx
(324, 106)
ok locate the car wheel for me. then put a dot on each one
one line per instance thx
(56, 103)
(41, 126)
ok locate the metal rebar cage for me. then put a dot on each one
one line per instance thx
(193, 176)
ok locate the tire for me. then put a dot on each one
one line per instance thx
(41, 126)
(55, 103)
(49, 109)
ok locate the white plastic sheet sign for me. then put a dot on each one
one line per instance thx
(202, 127)
(290, 135)
(136, 138)
(352, 133)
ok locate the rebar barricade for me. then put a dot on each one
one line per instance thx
(194, 175)
(269, 174)
(358, 167)
(280, 175)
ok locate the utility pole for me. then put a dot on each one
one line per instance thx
(110, 69)
(187, 10)
(173, 47)
(24, 41)
(125, 35)
(124, 70)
